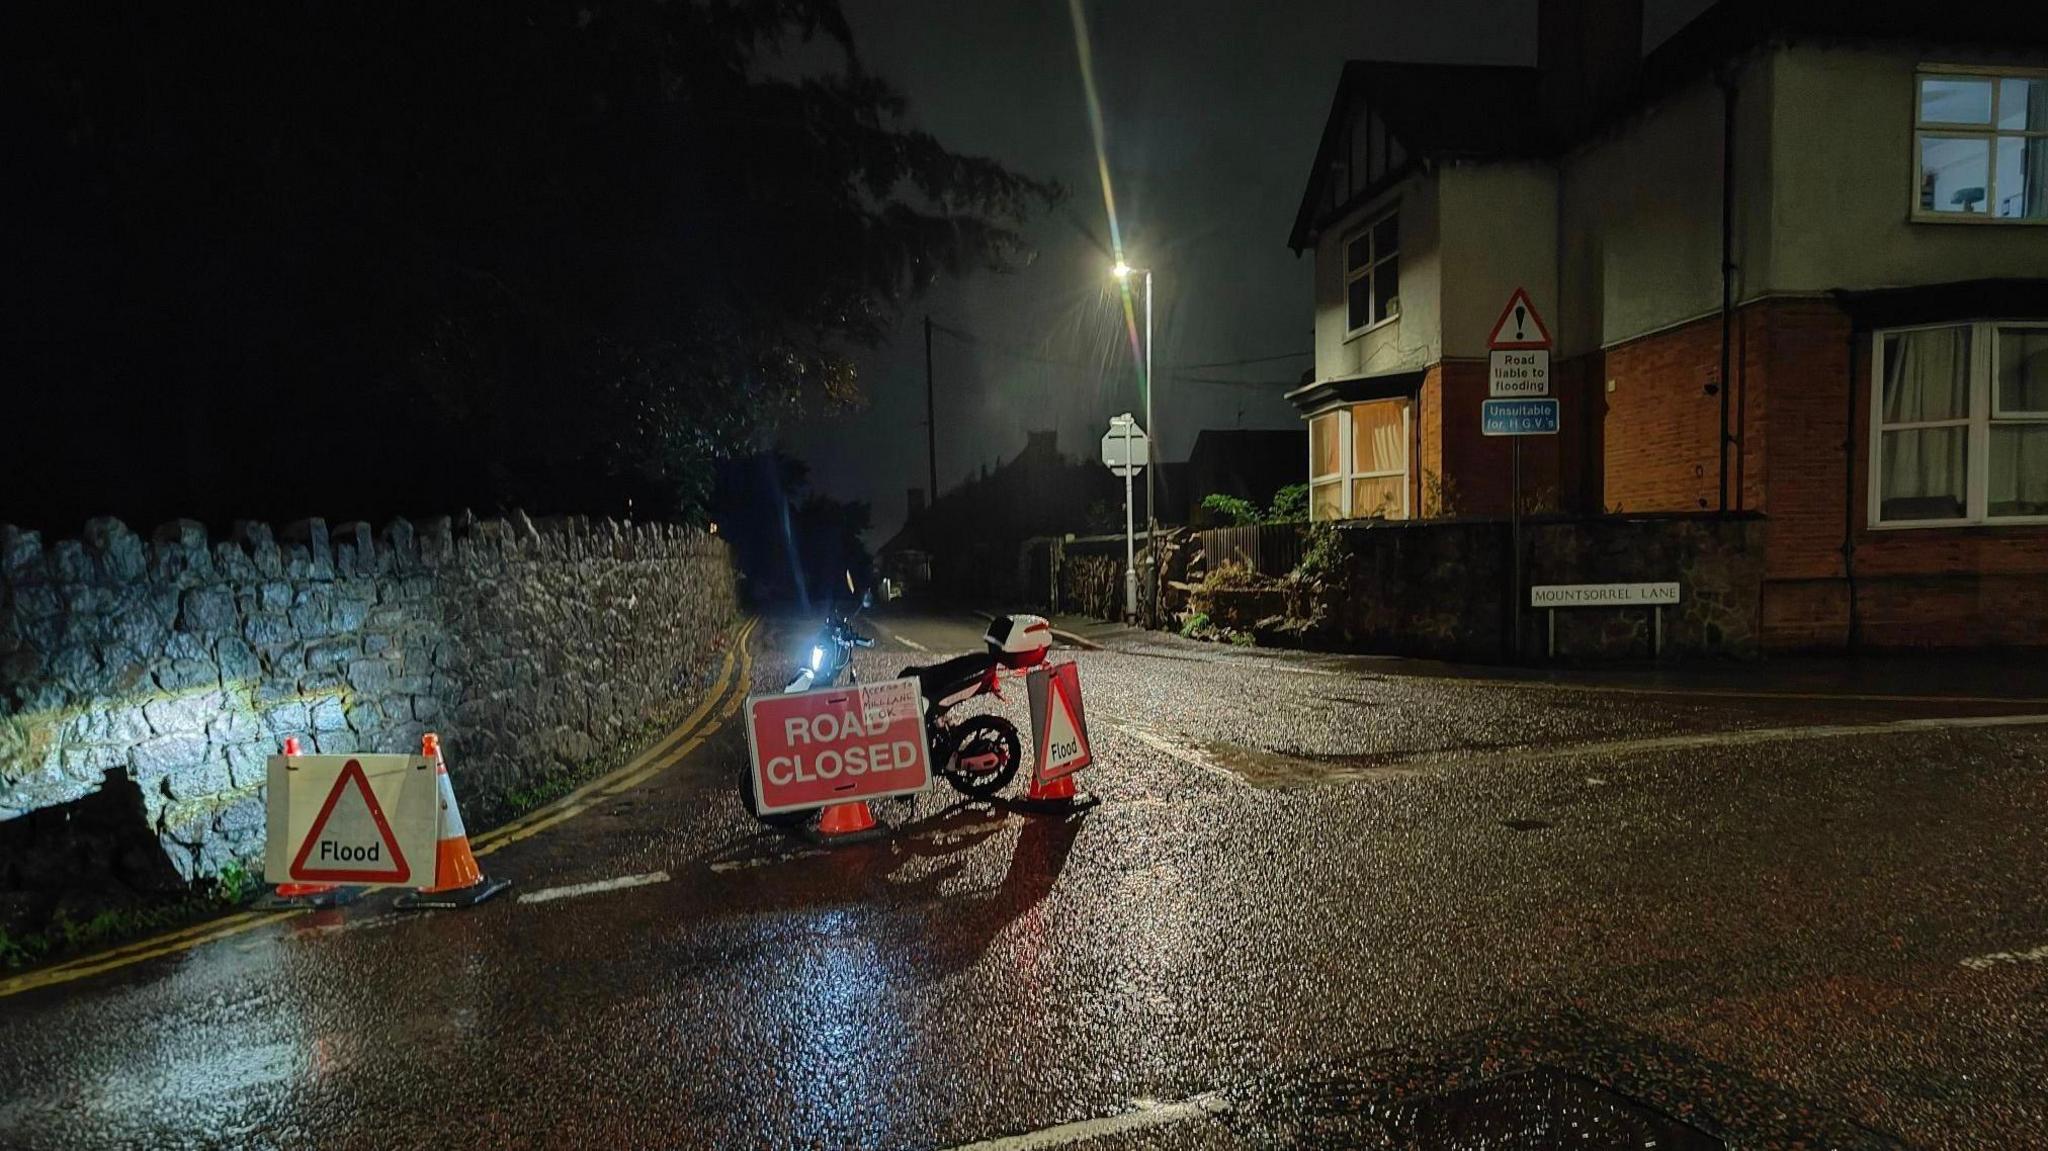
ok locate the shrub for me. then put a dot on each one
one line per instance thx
(1232, 510)
(1290, 505)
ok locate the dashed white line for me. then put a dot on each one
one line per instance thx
(1183, 752)
(905, 640)
(1143, 1113)
(576, 889)
(1987, 962)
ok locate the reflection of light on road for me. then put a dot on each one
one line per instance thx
(845, 1037)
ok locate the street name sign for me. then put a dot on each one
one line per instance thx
(837, 745)
(1124, 446)
(1512, 373)
(1603, 594)
(1518, 417)
(355, 819)
(1059, 728)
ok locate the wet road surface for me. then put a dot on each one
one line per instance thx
(1322, 903)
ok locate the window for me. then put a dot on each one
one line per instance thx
(1372, 274)
(1358, 462)
(1960, 425)
(1980, 146)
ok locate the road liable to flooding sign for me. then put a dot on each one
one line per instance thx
(837, 745)
(1518, 373)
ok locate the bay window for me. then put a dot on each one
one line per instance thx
(1358, 461)
(1959, 425)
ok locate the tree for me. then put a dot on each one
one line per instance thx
(337, 258)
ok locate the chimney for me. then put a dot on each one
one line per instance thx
(915, 500)
(1589, 55)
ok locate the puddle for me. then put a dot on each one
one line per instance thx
(1540, 1108)
(1527, 824)
(1279, 769)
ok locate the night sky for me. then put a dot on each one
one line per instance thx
(1212, 110)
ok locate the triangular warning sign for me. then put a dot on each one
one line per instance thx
(350, 840)
(1065, 739)
(1519, 326)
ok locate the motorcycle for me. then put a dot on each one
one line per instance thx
(978, 754)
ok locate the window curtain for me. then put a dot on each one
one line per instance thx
(1922, 469)
(2019, 470)
(2035, 166)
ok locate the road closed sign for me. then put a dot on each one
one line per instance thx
(1059, 728)
(836, 745)
(367, 820)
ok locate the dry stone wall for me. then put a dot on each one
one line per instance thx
(180, 663)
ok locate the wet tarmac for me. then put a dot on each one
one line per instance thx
(1322, 904)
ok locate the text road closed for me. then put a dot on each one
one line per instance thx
(836, 745)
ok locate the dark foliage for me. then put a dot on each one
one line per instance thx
(794, 546)
(360, 259)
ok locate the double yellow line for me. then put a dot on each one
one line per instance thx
(728, 692)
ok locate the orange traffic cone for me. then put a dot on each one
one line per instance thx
(1055, 796)
(458, 881)
(311, 896)
(848, 823)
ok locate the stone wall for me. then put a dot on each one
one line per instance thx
(1440, 588)
(181, 663)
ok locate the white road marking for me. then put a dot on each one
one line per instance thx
(1144, 1113)
(1987, 962)
(576, 889)
(905, 640)
(1742, 736)
(761, 860)
(1185, 753)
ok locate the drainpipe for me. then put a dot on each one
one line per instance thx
(1849, 490)
(1726, 79)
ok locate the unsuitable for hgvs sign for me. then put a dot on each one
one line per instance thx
(1518, 373)
(837, 745)
(1518, 417)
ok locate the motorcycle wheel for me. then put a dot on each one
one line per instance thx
(780, 820)
(984, 735)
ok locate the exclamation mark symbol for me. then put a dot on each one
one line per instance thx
(1520, 311)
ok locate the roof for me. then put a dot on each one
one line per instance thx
(1441, 111)
(1460, 111)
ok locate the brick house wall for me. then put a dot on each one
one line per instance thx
(1793, 392)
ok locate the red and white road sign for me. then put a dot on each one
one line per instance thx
(1519, 326)
(1059, 728)
(358, 819)
(837, 745)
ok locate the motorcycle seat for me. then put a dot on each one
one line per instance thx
(950, 681)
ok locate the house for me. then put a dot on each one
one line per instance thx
(1794, 263)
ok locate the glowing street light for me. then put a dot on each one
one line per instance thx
(1123, 273)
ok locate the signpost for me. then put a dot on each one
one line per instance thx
(837, 745)
(366, 820)
(1518, 377)
(1125, 448)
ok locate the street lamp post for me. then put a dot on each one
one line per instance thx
(1123, 271)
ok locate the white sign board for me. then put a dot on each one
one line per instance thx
(1603, 594)
(1511, 373)
(1124, 446)
(356, 819)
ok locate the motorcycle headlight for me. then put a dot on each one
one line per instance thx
(817, 658)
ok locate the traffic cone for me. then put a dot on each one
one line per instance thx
(311, 896)
(847, 823)
(1055, 796)
(458, 881)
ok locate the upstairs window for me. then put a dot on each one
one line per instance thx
(1372, 274)
(1960, 426)
(1980, 146)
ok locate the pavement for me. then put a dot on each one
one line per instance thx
(1326, 901)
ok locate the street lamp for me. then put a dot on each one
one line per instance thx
(1123, 272)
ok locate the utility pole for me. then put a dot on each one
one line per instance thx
(931, 424)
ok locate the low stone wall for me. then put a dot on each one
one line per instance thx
(181, 663)
(1439, 588)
